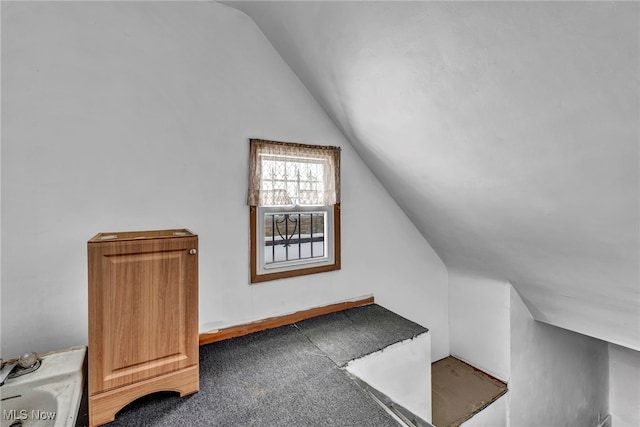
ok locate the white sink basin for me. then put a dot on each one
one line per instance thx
(48, 397)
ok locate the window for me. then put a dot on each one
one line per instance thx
(294, 206)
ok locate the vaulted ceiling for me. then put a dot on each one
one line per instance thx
(507, 131)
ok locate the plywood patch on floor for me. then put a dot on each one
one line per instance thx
(459, 391)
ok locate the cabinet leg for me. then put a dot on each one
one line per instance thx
(103, 407)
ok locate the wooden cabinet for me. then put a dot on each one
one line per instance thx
(143, 317)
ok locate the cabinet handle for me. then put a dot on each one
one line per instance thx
(192, 251)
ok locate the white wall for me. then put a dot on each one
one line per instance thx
(401, 372)
(479, 322)
(136, 115)
(624, 386)
(494, 415)
(558, 377)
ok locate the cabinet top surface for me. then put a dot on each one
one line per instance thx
(140, 235)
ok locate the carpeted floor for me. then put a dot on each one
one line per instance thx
(288, 376)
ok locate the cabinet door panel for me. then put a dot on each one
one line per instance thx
(143, 307)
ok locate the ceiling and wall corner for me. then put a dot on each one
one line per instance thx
(563, 372)
(136, 116)
(507, 131)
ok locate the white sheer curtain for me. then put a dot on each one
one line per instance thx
(287, 174)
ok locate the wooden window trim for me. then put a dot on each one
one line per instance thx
(258, 278)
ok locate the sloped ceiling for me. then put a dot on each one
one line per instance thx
(507, 131)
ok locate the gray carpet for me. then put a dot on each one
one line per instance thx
(288, 376)
(353, 333)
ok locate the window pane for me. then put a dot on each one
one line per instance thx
(289, 181)
(293, 236)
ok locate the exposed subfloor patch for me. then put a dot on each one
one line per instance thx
(459, 391)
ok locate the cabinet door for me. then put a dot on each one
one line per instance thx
(143, 310)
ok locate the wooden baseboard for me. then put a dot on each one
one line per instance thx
(274, 322)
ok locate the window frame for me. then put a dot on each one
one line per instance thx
(257, 242)
(300, 269)
(291, 264)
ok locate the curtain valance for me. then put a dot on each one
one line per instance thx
(288, 174)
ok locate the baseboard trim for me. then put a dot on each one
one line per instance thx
(275, 322)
